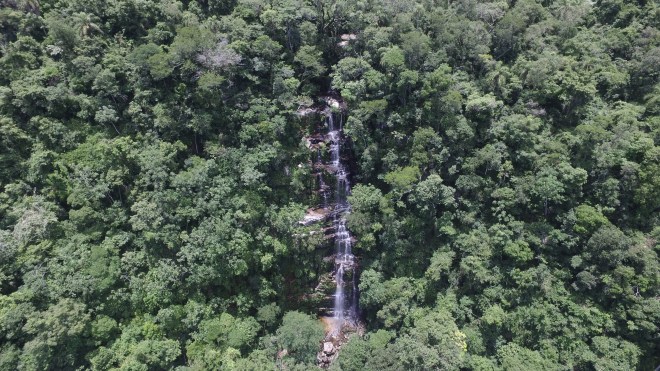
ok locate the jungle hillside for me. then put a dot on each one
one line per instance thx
(160, 159)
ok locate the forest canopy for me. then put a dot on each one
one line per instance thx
(153, 173)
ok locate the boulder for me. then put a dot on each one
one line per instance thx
(328, 348)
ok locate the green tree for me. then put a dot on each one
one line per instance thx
(300, 334)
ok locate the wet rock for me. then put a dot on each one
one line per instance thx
(328, 348)
(325, 357)
(311, 219)
(304, 111)
(313, 216)
(323, 360)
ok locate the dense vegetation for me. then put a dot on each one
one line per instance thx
(152, 175)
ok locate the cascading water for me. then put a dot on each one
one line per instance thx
(342, 318)
(345, 309)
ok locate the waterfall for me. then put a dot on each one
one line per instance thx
(323, 190)
(345, 308)
(340, 309)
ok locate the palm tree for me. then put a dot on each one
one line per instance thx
(86, 26)
(31, 6)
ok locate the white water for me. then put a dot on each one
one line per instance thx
(345, 309)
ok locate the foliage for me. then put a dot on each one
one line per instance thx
(505, 201)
